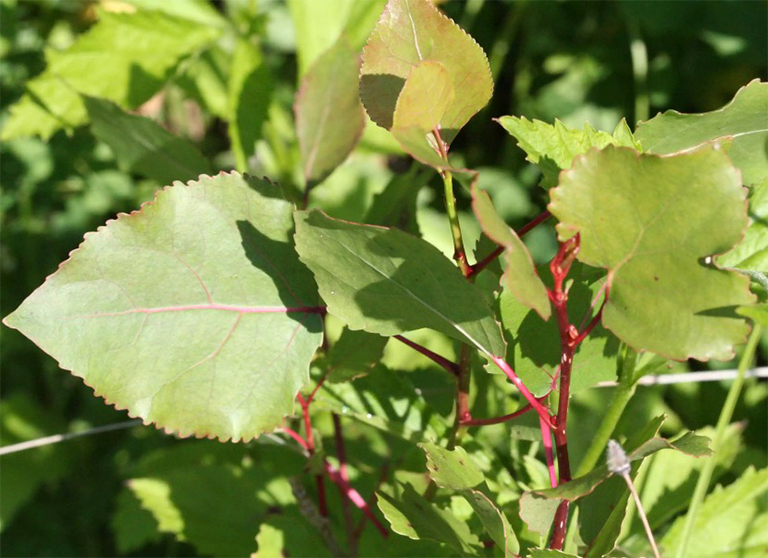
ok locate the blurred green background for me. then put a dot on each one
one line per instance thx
(593, 62)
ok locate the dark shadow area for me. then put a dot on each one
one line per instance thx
(379, 93)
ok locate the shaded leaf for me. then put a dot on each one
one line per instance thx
(125, 58)
(554, 146)
(452, 469)
(354, 354)
(520, 275)
(146, 311)
(144, 147)
(634, 213)
(742, 121)
(249, 94)
(411, 32)
(388, 282)
(395, 206)
(412, 516)
(549, 553)
(752, 252)
(329, 116)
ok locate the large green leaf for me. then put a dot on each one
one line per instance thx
(144, 147)
(531, 351)
(554, 146)
(329, 116)
(653, 222)
(729, 523)
(742, 122)
(413, 516)
(249, 94)
(388, 282)
(411, 32)
(125, 58)
(193, 313)
(520, 275)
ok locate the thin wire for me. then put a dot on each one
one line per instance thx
(56, 438)
(690, 377)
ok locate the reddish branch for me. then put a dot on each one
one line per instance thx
(443, 362)
(498, 420)
(525, 229)
(342, 456)
(321, 500)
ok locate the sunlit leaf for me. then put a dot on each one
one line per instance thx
(193, 313)
(411, 32)
(652, 222)
(742, 122)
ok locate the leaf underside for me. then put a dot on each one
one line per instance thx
(193, 313)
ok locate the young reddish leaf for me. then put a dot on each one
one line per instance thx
(520, 275)
(742, 121)
(193, 313)
(655, 223)
(408, 33)
(329, 117)
(388, 282)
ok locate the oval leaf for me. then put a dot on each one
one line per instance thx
(193, 313)
(388, 282)
(329, 116)
(635, 213)
(408, 33)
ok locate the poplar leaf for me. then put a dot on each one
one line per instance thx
(193, 313)
(743, 122)
(329, 116)
(653, 222)
(408, 33)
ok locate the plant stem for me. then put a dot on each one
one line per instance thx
(462, 395)
(621, 397)
(546, 438)
(443, 362)
(641, 513)
(702, 484)
(321, 500)
(341, 454)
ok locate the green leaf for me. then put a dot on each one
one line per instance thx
(355, 354)
(395, 206)
(452, 469)
(455, 470)
(144, 147)
(165, 311)
(726, 520)
(416, 518)
(531, 352)
(388, 282)
(520, 275)
(752, 252)
(742, 121)
(554, 146)
(634, 213)
(549, 553)
(125, 58)
(411, 32)
(270, 542)
(249, 94)
(318, 27)
(329, 116)
(415, 119)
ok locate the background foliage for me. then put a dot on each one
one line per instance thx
(223, 76)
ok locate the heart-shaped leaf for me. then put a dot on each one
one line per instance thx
(653, 222)
(742, 122)
(409, 33)
(193, 313)
(388, 282)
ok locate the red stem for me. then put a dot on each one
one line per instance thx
(382, 477)
(505, 418)
(354, 496)
(525, 229)
(546, 436)
(341, 454)
(540, 409)
(296, 436)
(321, 500)
(443, 362)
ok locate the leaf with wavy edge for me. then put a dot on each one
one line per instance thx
(413, 31)
(742, 122)
(388, 282)
(652, 222)
(193, 313)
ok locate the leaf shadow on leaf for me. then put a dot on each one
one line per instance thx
(272, 257)
(379, 93)
(141, 86)
(721, 312)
